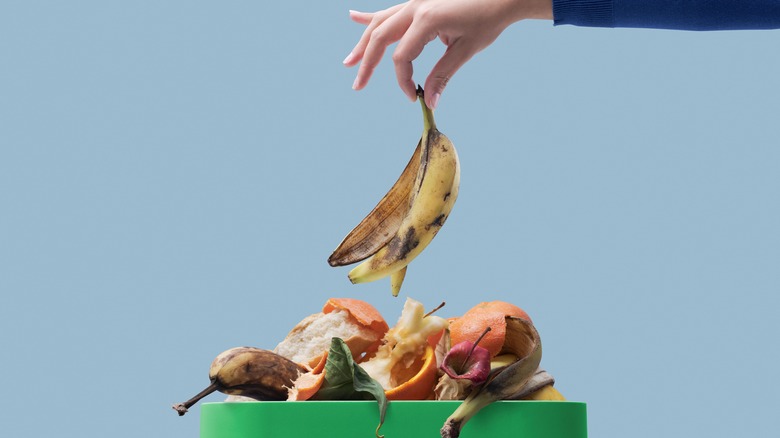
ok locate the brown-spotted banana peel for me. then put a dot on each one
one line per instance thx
(522, 340)
(250, 372)
(376, 229)
(408, 217)
(539, 387)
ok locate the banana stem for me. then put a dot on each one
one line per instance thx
(181, 408)
(428, 122)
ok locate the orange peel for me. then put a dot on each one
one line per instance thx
(364, 313)
(419, 384)
(471, 325)
(307, 384)
(423, 374)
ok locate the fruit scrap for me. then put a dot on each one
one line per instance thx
(467, 360)
(405, 364)
(522, 340)
(250, 372)
(307, 384)
(539, 387)
(409, 216)
(470, 326)
(497, 357)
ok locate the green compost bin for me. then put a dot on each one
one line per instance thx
(404, 419)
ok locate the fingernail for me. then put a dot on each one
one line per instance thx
(348, 59)
(435, 100)
(355, 84)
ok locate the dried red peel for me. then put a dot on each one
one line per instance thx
(467, 360)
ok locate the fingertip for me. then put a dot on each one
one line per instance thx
(409, 89)
(360, 17)
(403, 72)
(432, 100)
(433, 90)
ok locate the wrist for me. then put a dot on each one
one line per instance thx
(533, 9)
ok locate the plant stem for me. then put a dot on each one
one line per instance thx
(181, 408)
(487, 329)
(434, 310)
(428, 123)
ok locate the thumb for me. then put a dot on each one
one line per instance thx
(453, 59)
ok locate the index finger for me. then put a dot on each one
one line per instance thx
(372, 20)
(390, 31)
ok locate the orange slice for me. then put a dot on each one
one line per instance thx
(418, 380)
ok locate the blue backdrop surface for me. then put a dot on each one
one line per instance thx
(174, 175)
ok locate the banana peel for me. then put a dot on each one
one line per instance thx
(409, 216)
(250, 372)
(522, 341)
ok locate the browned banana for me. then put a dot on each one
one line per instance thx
(382, 223)
(250, 372)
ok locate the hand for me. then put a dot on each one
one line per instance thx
(464, 26)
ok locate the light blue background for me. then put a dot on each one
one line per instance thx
(174, 175)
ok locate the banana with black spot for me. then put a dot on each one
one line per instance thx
(411, 214)
(250, 372)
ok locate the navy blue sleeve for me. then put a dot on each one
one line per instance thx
(670, 14)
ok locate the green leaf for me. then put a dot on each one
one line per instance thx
(346, 380)
(365, 384)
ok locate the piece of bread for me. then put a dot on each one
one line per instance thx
(310, 339)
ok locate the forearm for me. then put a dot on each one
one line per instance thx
(670, 14)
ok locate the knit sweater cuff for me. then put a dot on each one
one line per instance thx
(593, 13)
